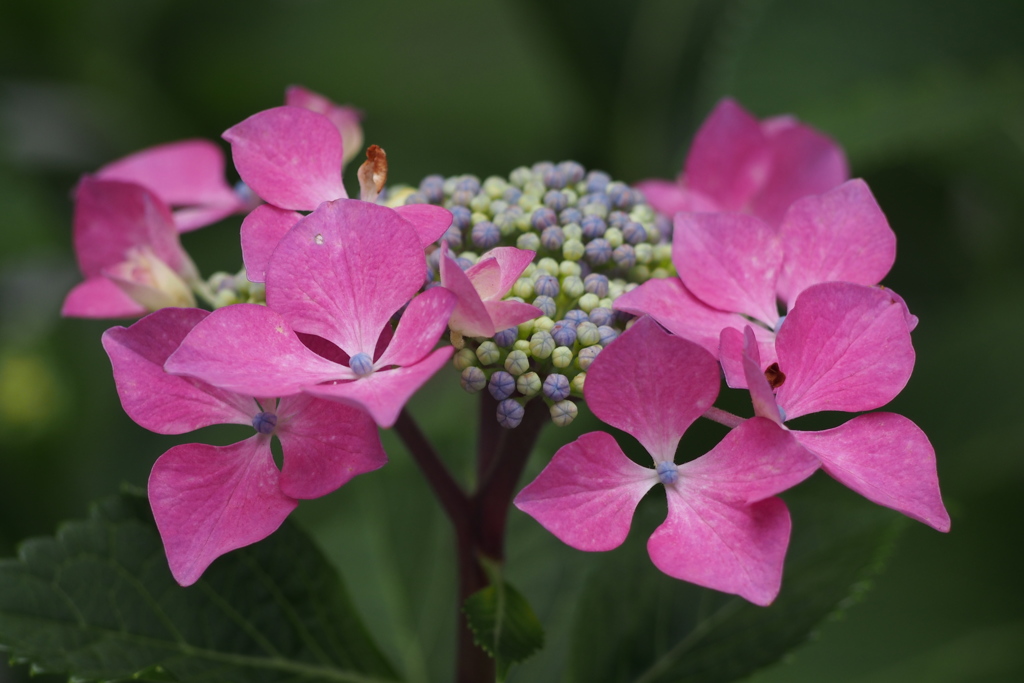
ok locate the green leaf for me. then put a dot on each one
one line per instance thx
(638, 625)
(99, 603)
(503, 623)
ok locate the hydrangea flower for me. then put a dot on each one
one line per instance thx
(847, 348)
(129, 251)
(208, 500)
(339, 274)
(725, 529)
(346, 119)
(738, 163)
(187, 176)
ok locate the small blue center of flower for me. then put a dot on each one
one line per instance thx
(264, 423)
(782, 413)
(667, 473)
(778, 325)
(361, 364)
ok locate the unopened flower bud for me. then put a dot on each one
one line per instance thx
(608, 334)
(576, 316)
(547, 285)
(523, 288)
(548, 265)
(561, 357)
(593, 227)
(264, 423)
(488, 353)
(572, 231)
(517, 362)
(644, 253)
(587, 334)
(566, 268)
(588, 302)
(510, 413)
(556, 387)
(522, 345)
(473, 379)
(614, 237)
(495, 186)
(520, 176)
(502, 385)
(485, 235)
(601, 316)
(564, 333)
(624, 256)
(530, 241)
(572, 214)
(598, 251)
(361, 364)
(546, 304)
(576, 385)
(480, 204)
(463, 358)
(572, 287)
(528, 384)
(552, 238)
(595, 283)
(541, 345)
(505, 338)
(543, 324)
(563, 413)
(573, 250)
(587, 356)
(597, 181)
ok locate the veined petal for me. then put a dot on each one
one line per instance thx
(729, 261)
(841, 235)
(511, 264)
(99, 297)
(506, 314)
(430, 221)
(652, 385)
(731, 350)
(887, 459)
(384, 393)
(325, 444)
(843, 347)
(740, 354)
(261, 231)
(289, 156)
(421, 325)
(249, 349)
(156, 400)
(208, 500)
(587, 494)
(342, 272)
(733, 548)
(469, 317)
(346, 119)
(670, 198)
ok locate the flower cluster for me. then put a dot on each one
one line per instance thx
(554, 285)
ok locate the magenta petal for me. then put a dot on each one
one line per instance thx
(729, 547)
(421, 325)
(469, 317)
(728, 160)
(843, 347)
(189, 173)
(384, 393)
(325, 444)
(729, 261)
(249, 349)
(841, 235)
(430, 221)
(670, 198)
(344, 270)
(261, 230)
(675, 308)
(740, 354)
(209, 500)
(511, 264)
(587, 494)
(887, 459)
(160, 402)
(345, 118)
(99, 297)
(289, 156)
(652, 385)
(506, 314)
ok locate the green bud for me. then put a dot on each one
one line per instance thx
(586, 356)
(520, 176)
(572, 287)
(642, 213)
(614, 237)
(478, 217)
(570, 196)
(257, 293)
(535, 186)
(572, 231)
(587, 334)
(488, 353)
(561, 357)
(523, 286)
(576, 385)
(495, 186)
(547, 266)
(529, 384)
(653, 234)
(224, 297)
(644, 253)
(569, 268)
(529, 241)
(522, 345)
(589, 302)
(517, 363)
(640, 273)
(663, 253)
(542, 344)
(473, 379)
(573, 250)
(525, 329)
(498, 206)
(529, 202)
(463, 359)
(530, 272)
(563, 413)
(543, 324)
(470, 256)
(605, 303)
(660, 273)
(616, 287)
(480, 204)
(595, 210)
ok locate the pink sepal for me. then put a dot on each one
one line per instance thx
(325, 445)
(887, 459)
(469, 317)
(345, 118)
(841, 235)
(681, 313)
(652, 385)
(740, 355)
(249, 349)
(187, 175)
(430, 221)
(480, 311)
(421, 325)
(160, 402)
(729, 261)
(511, 262)
(843, 347)
(289, 156)
(384, 393)
(587, 494)
(732, 548)
(342, 272)
(670, 198)
(99, 297)
(208, 500)
(261, 230)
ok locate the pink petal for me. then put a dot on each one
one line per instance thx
(189, 174)
(887, 459)
(729, 261)
(421, 325)
(587, 494)
(506, 314)
(262, 229)
(209, 500)
(249, 349)
(670, 198)
(342, 272)
(112, 217)
(803, 162)
(384, 393)
(325, 444)
(731, 349)
(843, 347)
(160, 402)
(841, 235)
(740, 354)
(511, 264)
(430, 221)
(675, 308)
(652, 385)
(99, 297)
(725, 546)
(345, 118)
(289, 156)
(469, 317)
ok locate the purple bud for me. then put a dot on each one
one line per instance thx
(570, 215)
(512, 194)
(461, 217)
(602, 316)
(468, 183)
(464, 263)
(417, 198)
(543, 217)
(634, 232)
(620, 194)
(587, 356)
(598, 251)
(264, 423)
(608, 334)
(361, 364)
(624, 256)
(546, 304)
(546, 285)
(597, 181)
(485, 235)
(552, 238)
(510, 413)
(554, 178)
(564, 333)
(462, 197)
(572, 170)
(618, 219)
(664, 225)
(555, 200)
(502, 385)
(593, 226)
(556, 387)
(432, 188)
(595, 283)
(453, 236)
(506, 338)
(576, 316)
(473, 379)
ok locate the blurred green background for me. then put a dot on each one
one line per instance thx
(927, 97)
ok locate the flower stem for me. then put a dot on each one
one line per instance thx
(723, 417)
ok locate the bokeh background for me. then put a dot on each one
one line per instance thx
(927, 96)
